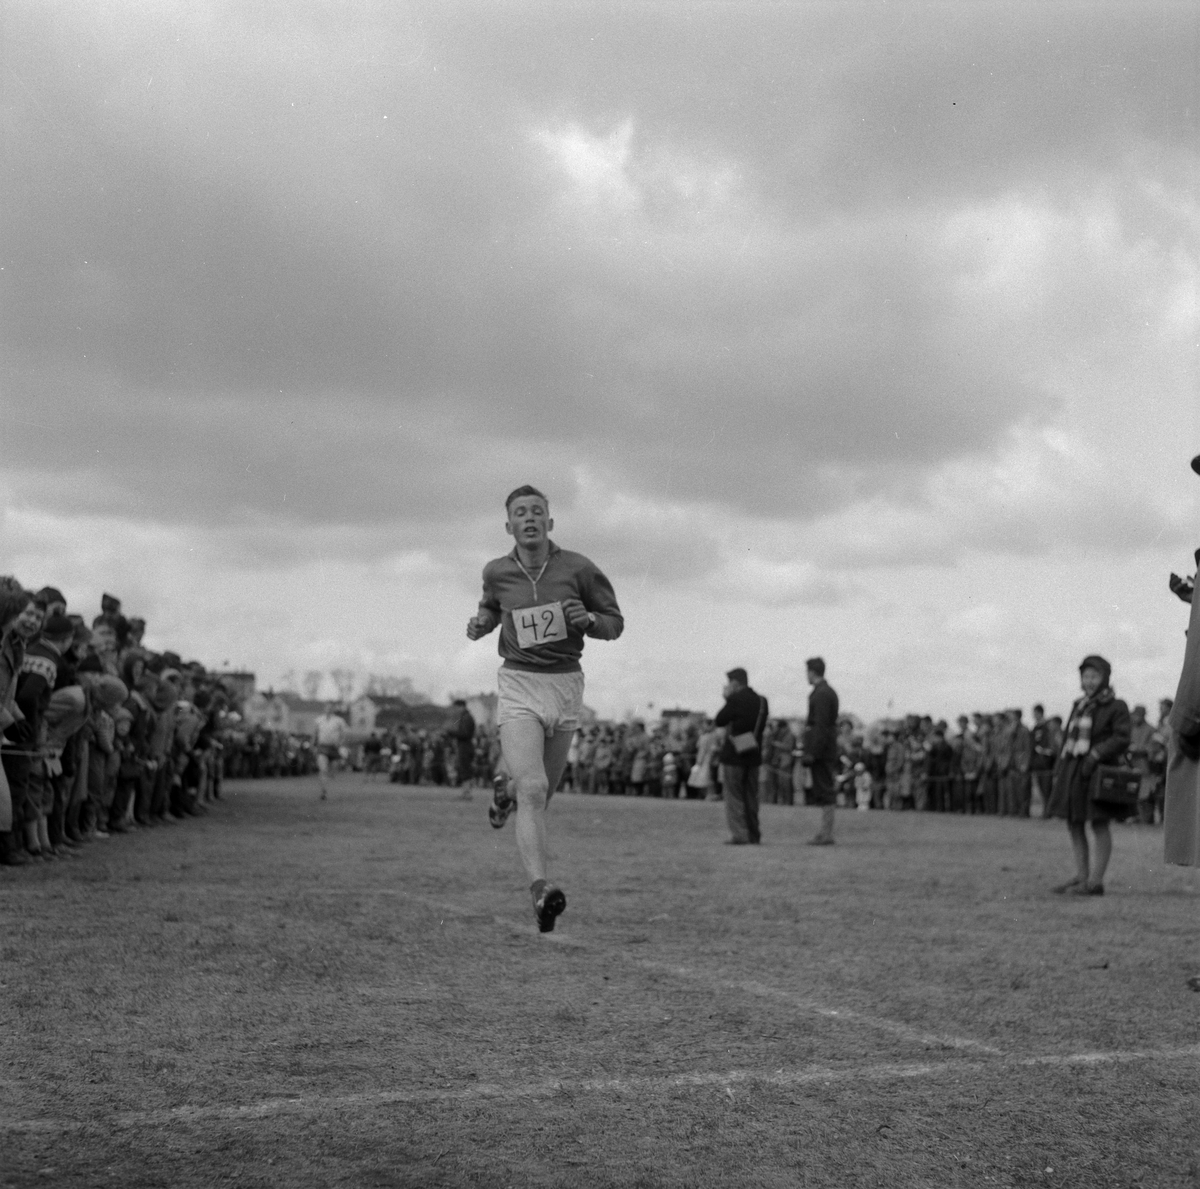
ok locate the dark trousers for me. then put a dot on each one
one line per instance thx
(59, 790)
(1024, 792)
(160, 796)
(17, 769)
(181, 794)
(1004, 793)
(972, 795)
(784, 792)
(822, 791)
(464, 757)
(989, 792)
(740, 786)
(143, 796)
(939, 794)
(1041, 778)
(126, 790)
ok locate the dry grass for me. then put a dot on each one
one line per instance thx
(371, 961)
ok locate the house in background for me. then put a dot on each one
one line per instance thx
(372, 712)
(285, 712)
(240, 686)
(482, 708)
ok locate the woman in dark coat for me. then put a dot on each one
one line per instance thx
(1097, 733)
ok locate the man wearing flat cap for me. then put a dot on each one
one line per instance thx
(744, 716)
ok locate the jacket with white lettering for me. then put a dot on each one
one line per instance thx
(507, 588)
(43, 670)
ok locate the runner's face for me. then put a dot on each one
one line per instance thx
(529, 520)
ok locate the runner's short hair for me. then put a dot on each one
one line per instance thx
(815, 665)
(526, 490)
(738, 675)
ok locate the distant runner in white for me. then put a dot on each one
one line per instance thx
(546, 601)
(328, 731)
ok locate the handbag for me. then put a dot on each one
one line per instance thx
(1116, 787)
(747, 740)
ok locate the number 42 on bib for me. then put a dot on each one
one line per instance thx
(539, 625)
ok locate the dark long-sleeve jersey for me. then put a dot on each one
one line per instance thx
(43, 671)
(540, 641)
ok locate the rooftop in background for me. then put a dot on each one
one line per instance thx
(241, 684)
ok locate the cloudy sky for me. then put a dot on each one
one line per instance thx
(860, 329)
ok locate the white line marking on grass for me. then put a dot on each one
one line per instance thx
(753, 987)
(1116, 1058)
(507, 1091)
(845, 1014)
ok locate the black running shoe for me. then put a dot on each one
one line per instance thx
(548, 905)
(502, 804)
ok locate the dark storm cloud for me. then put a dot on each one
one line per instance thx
(324, 265)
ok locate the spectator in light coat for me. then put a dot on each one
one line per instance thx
(1181, 818)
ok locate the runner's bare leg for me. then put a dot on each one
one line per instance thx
(558, 748)
(533, 761)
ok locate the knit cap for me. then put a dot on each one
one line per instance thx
(58, 625)
(1099, 664)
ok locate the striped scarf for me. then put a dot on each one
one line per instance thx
(1077, 738)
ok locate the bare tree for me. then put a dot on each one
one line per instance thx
(383, 685)
(312, 684)
(288, 682)
(345, 680)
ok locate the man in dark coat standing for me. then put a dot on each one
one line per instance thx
(819, 752)
(462, 731)
(743, 716)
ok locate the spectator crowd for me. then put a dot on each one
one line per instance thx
(100, 735)
(992, 763)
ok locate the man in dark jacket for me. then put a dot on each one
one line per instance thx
(462, 731)
(819, 750)
(743, 716)
(1041, 760)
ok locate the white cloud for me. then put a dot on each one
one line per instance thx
(597, 167)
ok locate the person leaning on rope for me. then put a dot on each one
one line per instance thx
(20, 618)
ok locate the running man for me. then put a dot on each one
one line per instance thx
(545, 601)
(329, 730)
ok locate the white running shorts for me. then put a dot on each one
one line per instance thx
(554, 699)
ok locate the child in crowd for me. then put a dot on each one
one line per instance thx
(670, 775)
(863, 786)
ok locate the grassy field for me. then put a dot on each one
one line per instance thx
(352, 993)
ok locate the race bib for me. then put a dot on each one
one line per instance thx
(539, 625)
